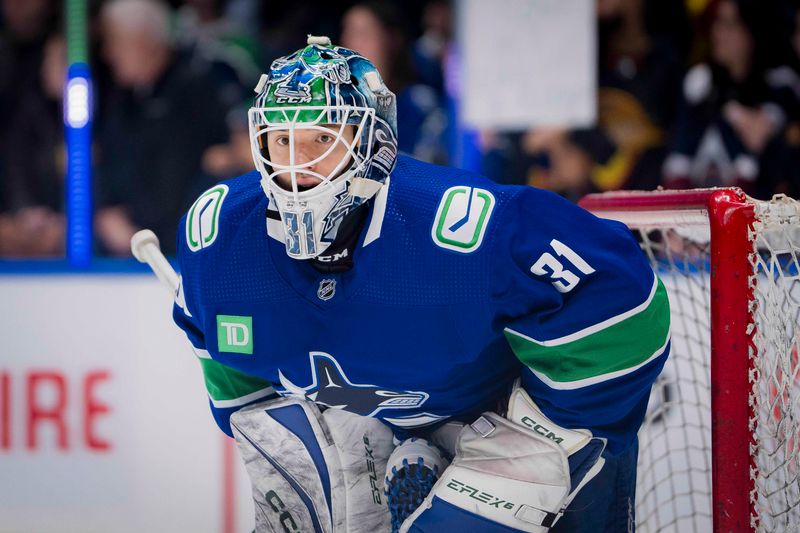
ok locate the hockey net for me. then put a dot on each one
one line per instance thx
(720, 445)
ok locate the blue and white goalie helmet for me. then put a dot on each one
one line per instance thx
(324, 89)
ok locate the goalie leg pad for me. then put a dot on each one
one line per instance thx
(305, 469)
(289, 457)
(364, 445)
(608, 503)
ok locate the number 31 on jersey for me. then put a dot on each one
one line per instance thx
(564, 279)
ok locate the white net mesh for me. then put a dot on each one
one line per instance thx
(674, 476)
(776, 380)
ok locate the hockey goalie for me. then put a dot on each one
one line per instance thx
(398, 346)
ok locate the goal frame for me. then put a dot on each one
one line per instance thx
(730, 218)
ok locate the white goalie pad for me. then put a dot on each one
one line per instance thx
(518, 474)
(313, 471)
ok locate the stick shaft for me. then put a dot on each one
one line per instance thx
(160, 266)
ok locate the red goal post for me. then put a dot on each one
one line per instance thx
(729, 261)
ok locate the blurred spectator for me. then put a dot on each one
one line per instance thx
(377, 31)
(26, 25)
(156, 124)
(431, 46)
(640, 72)
(234, 158)
(227, 51)
(285, 25)
(32, 148)
(639, 76)
(569, 158)
(782, 162)
(729, 112)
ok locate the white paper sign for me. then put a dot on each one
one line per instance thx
(527, 63)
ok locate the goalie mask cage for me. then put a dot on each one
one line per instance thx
(720, 444)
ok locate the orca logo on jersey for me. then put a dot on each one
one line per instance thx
(202, 220)
(331, 387)
(462, 218)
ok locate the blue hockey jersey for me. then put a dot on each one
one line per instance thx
(458, 286)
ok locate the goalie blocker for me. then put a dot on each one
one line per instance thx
(514, 474)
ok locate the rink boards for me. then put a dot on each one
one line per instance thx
(104, 423)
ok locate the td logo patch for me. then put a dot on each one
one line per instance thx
(462, 218)
(202, 221)
(235, 334)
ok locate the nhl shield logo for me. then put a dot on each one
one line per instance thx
(326, 290)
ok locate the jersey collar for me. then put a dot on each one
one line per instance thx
(378, 212)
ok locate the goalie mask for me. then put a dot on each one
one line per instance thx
(330, 123)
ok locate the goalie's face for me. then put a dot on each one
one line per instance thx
(312, 161)
(310, 155)
(323, 136)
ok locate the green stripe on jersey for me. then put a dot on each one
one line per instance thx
(223, 383)
(620, 347)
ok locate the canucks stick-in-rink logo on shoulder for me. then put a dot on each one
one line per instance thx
(202, 221)
(330, 386)
(462, 218)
